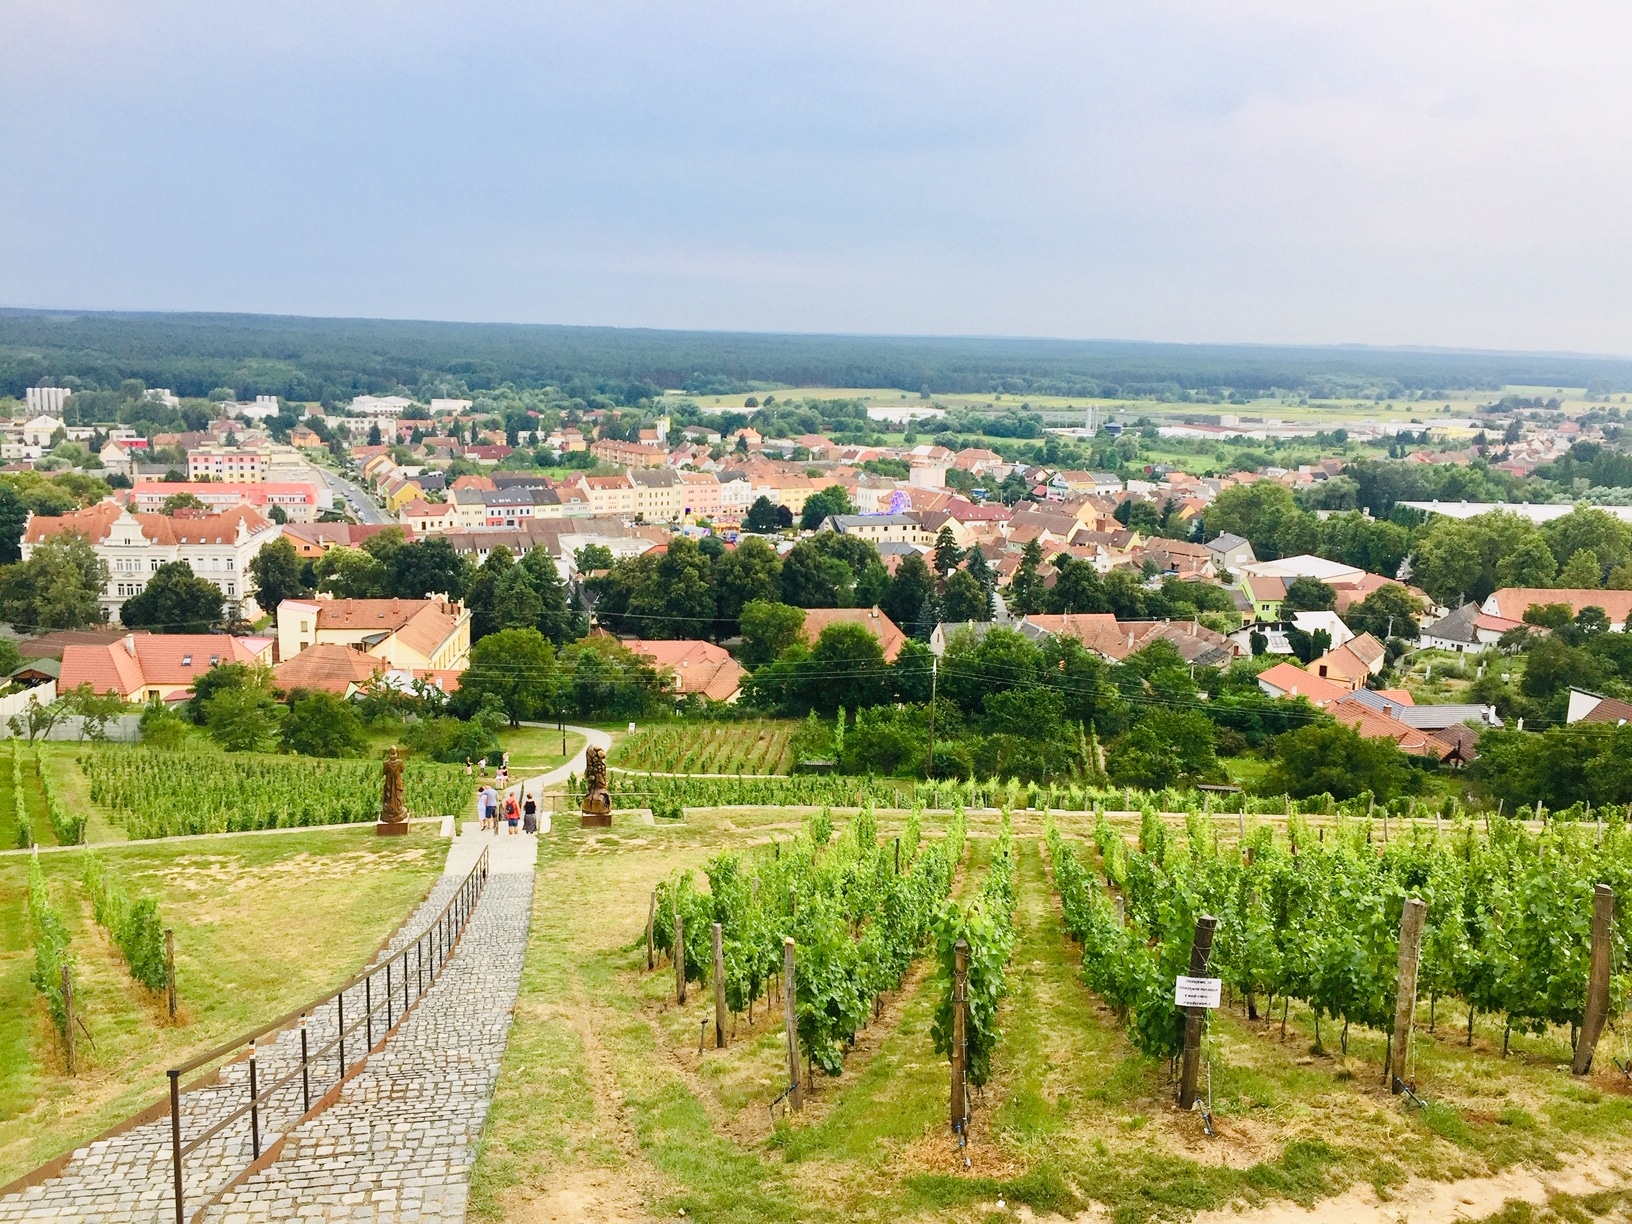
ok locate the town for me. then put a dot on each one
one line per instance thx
(1318, 562)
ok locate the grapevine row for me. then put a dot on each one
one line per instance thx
(163, 794)
(856, 923)
(133, 926)
(986, 925)
(1316, 919)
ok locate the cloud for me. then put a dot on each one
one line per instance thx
(1452, 174)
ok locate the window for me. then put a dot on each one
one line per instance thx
(232, 588)
(186, 660)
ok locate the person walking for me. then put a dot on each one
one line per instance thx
(488, 801)
(512, 813)
(529, 813)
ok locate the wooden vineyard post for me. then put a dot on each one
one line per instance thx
(68, 1018)
(651, 917)
(960, 1024)
(719, 988)
(1405, 998)
(790, 1013)
(1592, 1023)
(1194, 1017)
(170, 968)
(679, 959)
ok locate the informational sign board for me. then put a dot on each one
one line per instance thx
(1198, 992)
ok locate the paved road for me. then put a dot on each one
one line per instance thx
(365, 509)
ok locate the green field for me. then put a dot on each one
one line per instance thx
(605, 1107)
(330, 895)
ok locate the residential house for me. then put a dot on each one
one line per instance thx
(660, 494)
(1468, 627)
(411, 635)
(299, 503)
(328, 667)
(1230, 553)
(629, 454)
(890, 638)
(1511, 603)
(1352, 663)
(878, 528)
(691, 667)
(143, 667)
(229, 464)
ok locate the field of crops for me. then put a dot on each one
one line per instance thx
(1073, 930)
(1315, 918)
(759, 747)
(162, 794)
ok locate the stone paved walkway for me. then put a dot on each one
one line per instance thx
(396, 1146)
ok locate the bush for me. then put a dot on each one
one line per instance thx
(449, 739)
(323, 725)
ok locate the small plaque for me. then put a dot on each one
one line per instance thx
(1198, 992)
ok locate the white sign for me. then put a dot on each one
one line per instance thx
(1198, 992)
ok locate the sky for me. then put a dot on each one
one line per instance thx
(1453, 174)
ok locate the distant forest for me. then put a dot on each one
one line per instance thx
(333, 359)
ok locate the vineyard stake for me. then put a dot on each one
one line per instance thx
(719, 989)
(170, 968)
(651, 916)
(679, 958)
(1405, 998)
(1195, 1017)
(1592, 1024)
(791, 1020)
(960, 1026)
(68, 1015)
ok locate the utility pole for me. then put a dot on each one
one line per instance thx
(934, 674)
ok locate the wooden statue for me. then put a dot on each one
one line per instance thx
(393, 820)
(597, 805)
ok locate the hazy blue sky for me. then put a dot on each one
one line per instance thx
(1447, 173)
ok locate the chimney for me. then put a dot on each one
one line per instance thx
(130, 644)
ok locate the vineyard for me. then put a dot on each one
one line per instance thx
(859, 913)
(1073, 926)
(1316, 919)
(760, 747)
(161, 794)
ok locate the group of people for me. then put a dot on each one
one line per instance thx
(493, 809)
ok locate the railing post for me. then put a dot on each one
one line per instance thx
(340, 1006)
(254, 1108)
(387, 998)
(368, 1011)
(170, 968)
(305, 1073)
(419, 962)
(175, 1139)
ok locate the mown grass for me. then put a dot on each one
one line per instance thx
(262, 922)
(603, 1096)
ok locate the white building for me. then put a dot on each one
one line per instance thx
(380, 405)
(217, 546)
(39, 430)
(47, 401)
(445, 407)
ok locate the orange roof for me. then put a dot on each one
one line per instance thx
(697, 667)
(1373, 724)
(1098, 631)
(328, 666)
(1290, 680)
(890, 638)
(169, 659)
(420, 624)
(96, 521)
(1511, 602)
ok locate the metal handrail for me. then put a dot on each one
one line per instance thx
(440, 937)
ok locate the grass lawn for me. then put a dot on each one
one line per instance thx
(331, 896)
(606, 1109)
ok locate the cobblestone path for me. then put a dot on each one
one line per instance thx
(397, 1144)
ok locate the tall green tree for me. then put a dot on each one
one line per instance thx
(322, 724)
(350, 573)
(965, 599)
(274, 575)
(515, 666)
(768, 629)
(174, 601)
(1026, 587)
(814, 579)
(60, 586)
(821, 504)
(427, 567)
(677, 599)
(947, 553)
(912, 587)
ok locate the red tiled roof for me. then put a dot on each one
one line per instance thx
(890, 638)
(697, 667)
(327, 666)
(168, 659)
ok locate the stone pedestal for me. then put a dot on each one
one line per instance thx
(390, 828)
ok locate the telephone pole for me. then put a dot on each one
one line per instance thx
(934, 661)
